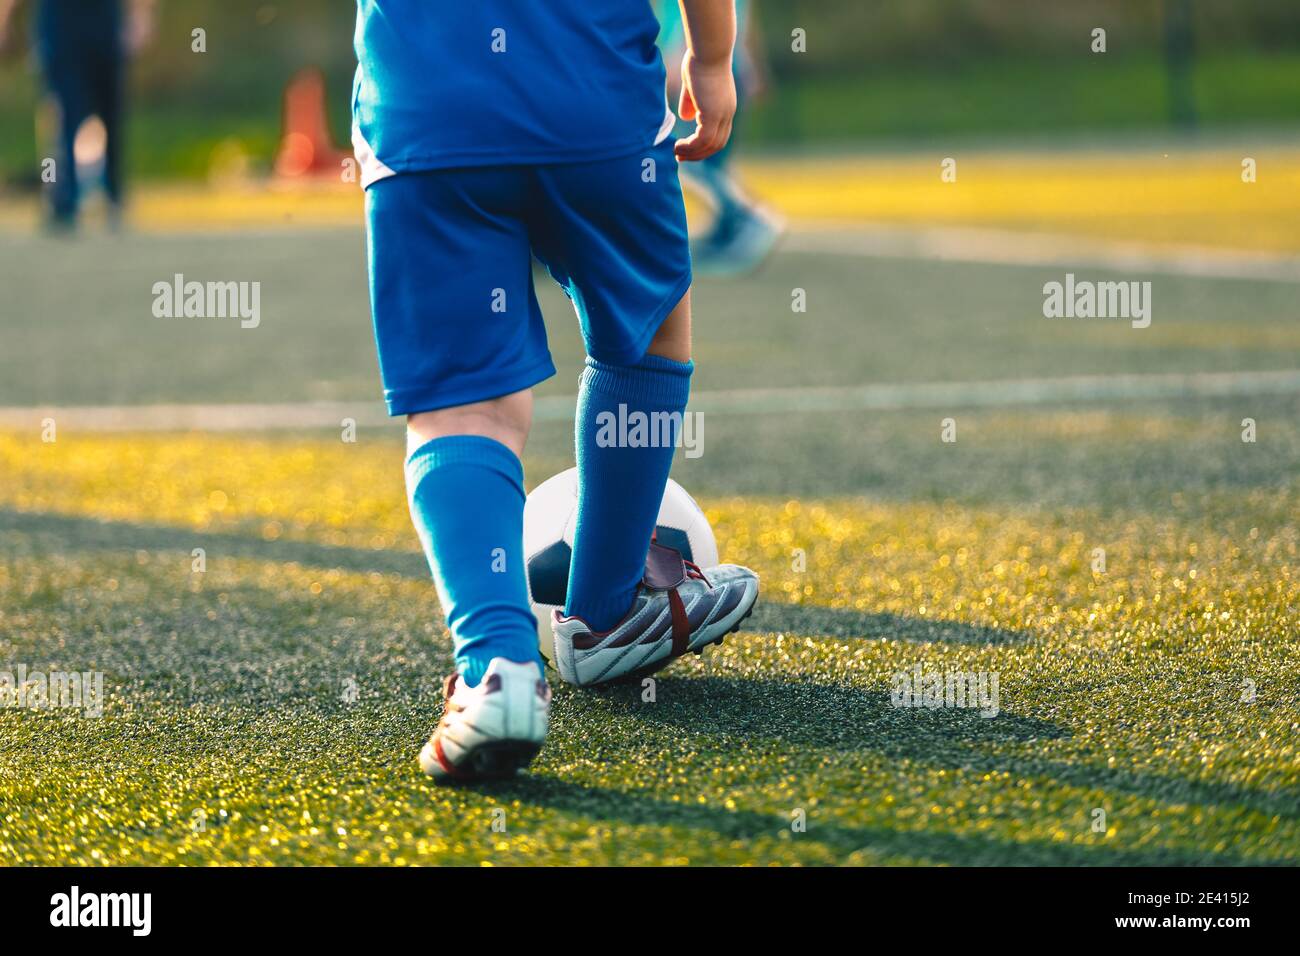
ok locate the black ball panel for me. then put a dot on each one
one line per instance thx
(676, 539)
(548, 574)
(548, 569)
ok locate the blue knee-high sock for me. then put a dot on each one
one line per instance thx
(467, 501)
(620, 483)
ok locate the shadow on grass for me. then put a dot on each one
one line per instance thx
(727, 715)
(815, 621)
(1161, 788)
(75, 536)
(640, 809)
(721, 720)
(796, 714)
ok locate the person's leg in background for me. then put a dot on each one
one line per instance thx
(66, 81)
(713, 177)
(110, 96)
(742, 232)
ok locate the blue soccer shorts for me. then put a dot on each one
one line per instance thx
(451, 283)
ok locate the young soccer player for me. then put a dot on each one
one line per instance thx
(464, 126)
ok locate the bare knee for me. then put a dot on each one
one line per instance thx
(506, 419)
(673, 340)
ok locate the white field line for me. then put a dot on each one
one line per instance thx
(759, 401)
(1007, 247)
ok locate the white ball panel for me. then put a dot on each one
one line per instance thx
(550, 515)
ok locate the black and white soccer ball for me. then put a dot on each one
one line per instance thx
(549, 518)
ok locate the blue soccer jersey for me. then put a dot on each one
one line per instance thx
(450, 83)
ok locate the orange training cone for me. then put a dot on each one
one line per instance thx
(306, 148)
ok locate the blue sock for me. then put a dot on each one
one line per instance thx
(619, 487)
(467, 501)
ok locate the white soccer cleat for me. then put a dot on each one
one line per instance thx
(678, 608)
(489, 731)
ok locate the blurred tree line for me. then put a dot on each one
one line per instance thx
(872, 68)
(251, 43)
(846, 36)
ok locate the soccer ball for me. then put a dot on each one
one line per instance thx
(549, 517)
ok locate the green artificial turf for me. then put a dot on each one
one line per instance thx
(269, 708)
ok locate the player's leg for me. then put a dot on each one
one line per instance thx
(506, 420)
(673, 339)
(621, 479)
(466, 491)
(465, 485)
(613, 233)
(460, 346)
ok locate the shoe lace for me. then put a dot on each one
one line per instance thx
(693, 571)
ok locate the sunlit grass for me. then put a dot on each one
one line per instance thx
(1192, 196)
(1188, 195)
(1160, 689)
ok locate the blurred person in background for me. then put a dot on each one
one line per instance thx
(82, 47)
(742, 233)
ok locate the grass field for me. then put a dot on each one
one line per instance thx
(1162, 690)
